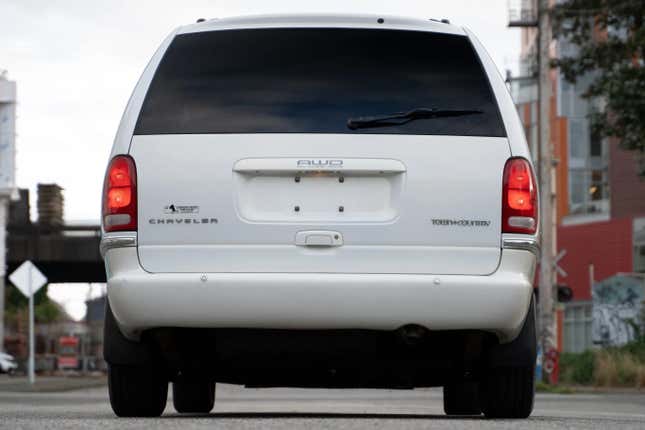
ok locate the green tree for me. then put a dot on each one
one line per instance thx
(45, 309)
(610, 40)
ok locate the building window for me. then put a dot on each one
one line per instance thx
(595, 145)
(598, 187)
(578, 320)
(639, 244)
(588, 191)
(587, 155)
(639, 257)
(578, 139)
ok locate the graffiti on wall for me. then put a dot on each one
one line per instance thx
(617, 307)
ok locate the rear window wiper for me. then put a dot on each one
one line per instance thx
(400, 118)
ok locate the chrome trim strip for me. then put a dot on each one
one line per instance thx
(530, 244)
(122, 240)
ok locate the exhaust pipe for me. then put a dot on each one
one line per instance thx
(412, 334)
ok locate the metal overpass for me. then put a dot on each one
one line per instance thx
(63, 254)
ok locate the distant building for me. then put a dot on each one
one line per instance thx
(7, 176)
(95, 310)
(7, 133)
(94, 319)
(600, 199)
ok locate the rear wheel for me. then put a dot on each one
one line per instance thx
(508, 393)
(193, 396)
(137, 391)
(508, 386)
(461, 398)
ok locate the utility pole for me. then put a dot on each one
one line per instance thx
(547, 335)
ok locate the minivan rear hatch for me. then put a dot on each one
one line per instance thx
(245, 161)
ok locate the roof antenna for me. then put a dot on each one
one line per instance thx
(201, 20)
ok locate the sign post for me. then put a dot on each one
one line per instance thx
(32, 373)
(28, 279)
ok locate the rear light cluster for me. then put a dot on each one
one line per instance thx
(519, 199)
(120, 195)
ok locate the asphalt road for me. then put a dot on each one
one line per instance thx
(317, 409)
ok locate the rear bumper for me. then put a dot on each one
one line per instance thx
(497, 303)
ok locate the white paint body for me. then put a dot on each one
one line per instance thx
(249, 259)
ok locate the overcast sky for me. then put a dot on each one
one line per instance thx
(76, 62)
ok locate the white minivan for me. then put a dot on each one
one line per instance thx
(320, 201)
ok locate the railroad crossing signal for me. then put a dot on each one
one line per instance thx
(28, 279)
(556, 260)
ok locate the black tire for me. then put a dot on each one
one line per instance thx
(137, 391)
(193, 397)
(507, 390)
(461, 398)
(508, 393)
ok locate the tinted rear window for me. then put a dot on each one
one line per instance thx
(313, 80)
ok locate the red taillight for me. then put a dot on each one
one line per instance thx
(120, 195)
(519, 200)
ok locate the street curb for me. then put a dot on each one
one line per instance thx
(50, 385)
